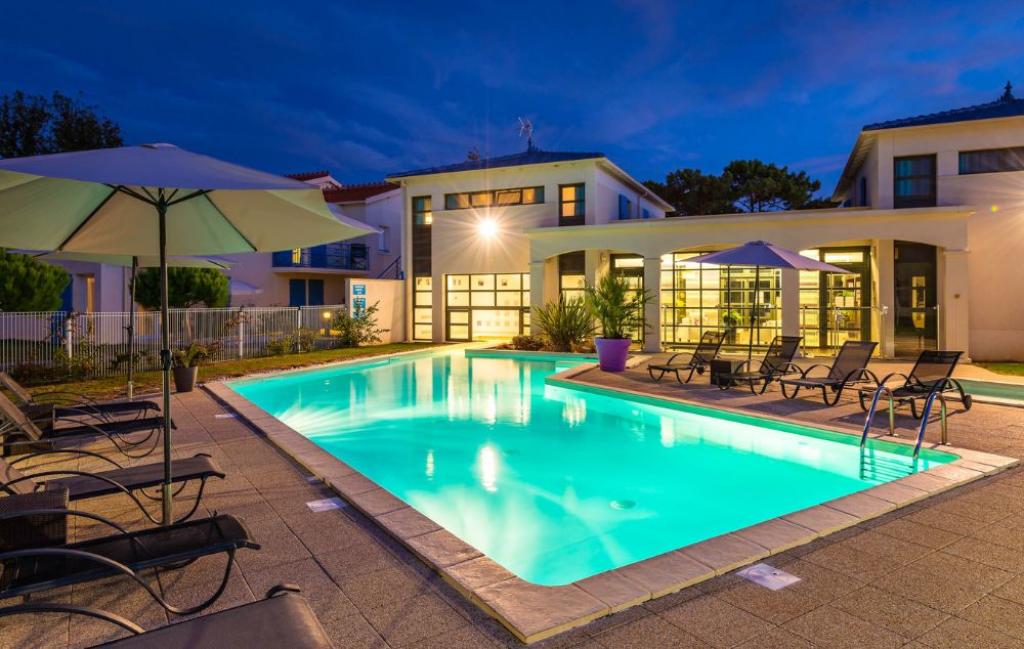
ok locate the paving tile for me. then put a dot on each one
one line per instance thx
(777, 535)
(944, 582)
(990, 554)
(924, 535)
(818, 586)
(956, 633)
(465, 637)
(476, 573)
(897, 493)
(666, 573)
(539, 611)
(821, 519)
(442, 548)
(615, 590)
(649, 633)
(413, 620)
(833, 628)
(724, 553)
(387, 587)
(777, 638)
(406, 523)
(998, 614)
(902, 616)
(715, 621)
(376, 502)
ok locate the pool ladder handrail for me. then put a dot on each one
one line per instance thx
(935, 393)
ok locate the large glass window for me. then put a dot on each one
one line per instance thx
(422, 308)
(487, 306)
(914, 181)
(992, 160)
(572, 207)
(631, 269)
(705, 297)
(836, 307)
(572, 279)
(497, 197)
(422, 218)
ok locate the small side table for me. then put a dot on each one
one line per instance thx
(721, 366)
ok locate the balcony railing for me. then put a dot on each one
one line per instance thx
(333, 256)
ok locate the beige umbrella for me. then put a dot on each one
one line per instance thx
(157, 199)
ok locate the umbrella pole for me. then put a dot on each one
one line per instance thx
(165, 359)
(131, 330)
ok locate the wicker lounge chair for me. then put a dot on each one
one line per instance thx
(707, 349)
(82, 485)
(849, 369)
(932, 372)
(778, 362)
(18, 430)
(35, 555)
(58, 404)
(283, 619)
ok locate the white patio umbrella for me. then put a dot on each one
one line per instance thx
(135, 262)
(157, 199)
(761, 254)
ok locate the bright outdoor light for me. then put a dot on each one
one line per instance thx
(488, 228)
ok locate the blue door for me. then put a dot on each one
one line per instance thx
(296, 292)
(316, 292)
(67, 296)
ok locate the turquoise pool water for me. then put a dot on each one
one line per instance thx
(557, 484)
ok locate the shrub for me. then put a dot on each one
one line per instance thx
(358, 329)
(566, 324)
(527, 343)
(303, 340)
(195, 354)
(611, 304)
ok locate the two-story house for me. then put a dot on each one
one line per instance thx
(465, 235)
(316, 275)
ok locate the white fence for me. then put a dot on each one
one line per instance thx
(95, 344)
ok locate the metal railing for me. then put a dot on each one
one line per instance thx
(334, 256)
(95, 344)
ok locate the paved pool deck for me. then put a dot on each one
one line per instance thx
(943, 572)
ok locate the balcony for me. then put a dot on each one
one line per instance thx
(332, 256)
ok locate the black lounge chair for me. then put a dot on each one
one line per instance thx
(932, 373)
(71, 404)
(283, 619)
(82, 485)
(18, 430)
(778, 362)
(849, 369)
(34, 554)
(707, 350)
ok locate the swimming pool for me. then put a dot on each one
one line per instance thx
(558, 484)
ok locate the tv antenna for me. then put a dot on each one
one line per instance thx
(526, 129)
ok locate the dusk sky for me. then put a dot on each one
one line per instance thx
(368, 88)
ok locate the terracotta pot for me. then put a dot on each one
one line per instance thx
(612, 353)
(185, 378)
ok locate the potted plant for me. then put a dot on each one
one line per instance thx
(731, 320)
(187, 361)
(618, 310)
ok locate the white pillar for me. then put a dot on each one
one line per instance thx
(954, 332)
(537, 286)
(652, 310)
(790, 302)
(883, 317)
(437, 310)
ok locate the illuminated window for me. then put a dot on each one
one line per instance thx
(992, 160)
(497, 197)
(422, 311)
(487, 306)
(297, 256)
(572, 203)
(421, 212)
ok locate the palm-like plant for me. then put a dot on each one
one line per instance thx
(615, 308)
(566, 323)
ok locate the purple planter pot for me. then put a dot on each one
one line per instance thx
(612, 353)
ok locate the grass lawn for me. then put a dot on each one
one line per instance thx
(1005, 367)
(113, 387)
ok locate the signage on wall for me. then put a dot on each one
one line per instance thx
(359, 304)
(359, 289)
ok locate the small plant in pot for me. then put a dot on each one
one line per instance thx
(187, 361)
(618, 310)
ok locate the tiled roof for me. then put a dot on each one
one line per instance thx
(1006, 106)
(350, 193)
(309, 175)
(531, 156)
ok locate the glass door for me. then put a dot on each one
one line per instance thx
(836, 307)
(917, 314)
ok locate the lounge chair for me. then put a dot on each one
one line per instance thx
(34, 554)
(778, 362)
(707, 349)
(74, 405)
(82, 485)
(16, 424)
(932, 372)
(849, 369)
(283, 619)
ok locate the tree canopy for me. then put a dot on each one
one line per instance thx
(37, 124)
(30, 285)
(186, 287)
(743, 186)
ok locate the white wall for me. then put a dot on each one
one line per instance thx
(389, 296)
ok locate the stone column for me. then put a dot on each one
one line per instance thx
(537, 292)
(790, 302)
(652, 310)
(953, 312)
(883, 316)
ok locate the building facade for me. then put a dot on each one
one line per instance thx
(465, 235)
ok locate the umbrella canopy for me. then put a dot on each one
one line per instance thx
(765, 255)
(761, 254)
(127, 261)
(157, 199)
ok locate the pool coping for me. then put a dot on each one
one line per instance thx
(532, 612)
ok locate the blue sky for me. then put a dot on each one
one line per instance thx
(368, 88)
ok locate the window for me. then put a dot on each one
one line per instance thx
(572, 279)
(572, 206)
(296, 256)
(422, 217)
(863, 191)
(992, 160)
(421, 212)
(487, 306)
(625, 207)
(497, 197)
(914, 181)
(422, 308)
(383, 245)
